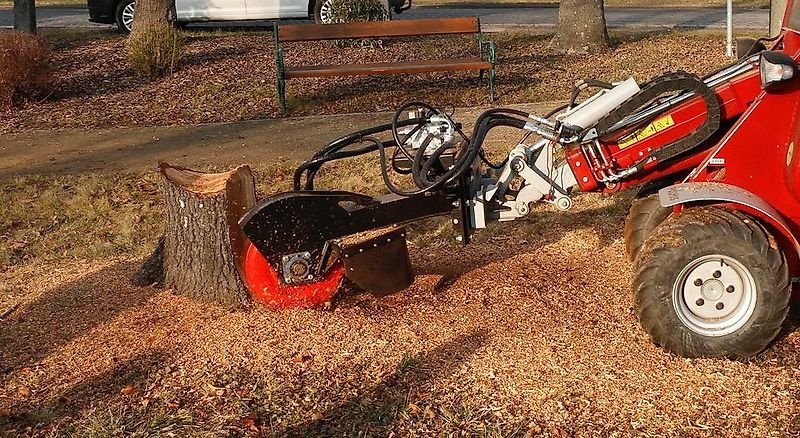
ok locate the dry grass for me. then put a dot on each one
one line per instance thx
(230, 76)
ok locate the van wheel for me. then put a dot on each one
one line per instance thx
(709, 283)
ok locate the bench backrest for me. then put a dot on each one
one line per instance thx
(377, 29)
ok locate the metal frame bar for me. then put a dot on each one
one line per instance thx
(279, 70)
(488, 47)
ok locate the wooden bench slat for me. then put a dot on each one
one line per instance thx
(387, 68)
(377, 29)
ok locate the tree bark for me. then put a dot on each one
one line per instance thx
(151, 14)
(581, 27)
(776, 11)
(203, 244)
(25, 16)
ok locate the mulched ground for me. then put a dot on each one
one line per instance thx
(228, 77)
(529, 332)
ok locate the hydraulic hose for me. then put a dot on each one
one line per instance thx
(425, 175)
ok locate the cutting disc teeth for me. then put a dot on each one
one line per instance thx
(264, 285)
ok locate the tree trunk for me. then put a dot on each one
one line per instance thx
(776, 10)
(581, 27)
(25, 16)
(151, 14)
(203, 244)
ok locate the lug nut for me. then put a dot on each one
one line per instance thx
(698, 282)
(720, 306)
(730, 289)
(717, 274)
(700, 302)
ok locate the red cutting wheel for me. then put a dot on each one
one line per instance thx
(264, 285)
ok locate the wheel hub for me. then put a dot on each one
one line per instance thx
(712, 290)
(714, 295)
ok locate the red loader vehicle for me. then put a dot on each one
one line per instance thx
(712, 233)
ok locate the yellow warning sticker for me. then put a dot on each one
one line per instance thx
(650, 130)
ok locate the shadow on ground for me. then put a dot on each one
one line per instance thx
(382, 404)
(132, 373)
(65, 313)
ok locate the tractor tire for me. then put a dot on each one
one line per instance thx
(709, 284)
(645, 215)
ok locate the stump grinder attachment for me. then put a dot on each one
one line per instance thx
(716, 154)
(304, 242)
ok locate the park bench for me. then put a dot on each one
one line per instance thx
(484, 61)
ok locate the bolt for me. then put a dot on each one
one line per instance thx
(720, 306)
(456, 204)
(585, 179)
(310, 277)
(455, 221)
(730, 289)
(700, 302)
(698, 282)
(460, 238)
(717, 274)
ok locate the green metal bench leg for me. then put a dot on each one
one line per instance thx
(282, 93)
(491, 84)
(280, 80)
(480, 77)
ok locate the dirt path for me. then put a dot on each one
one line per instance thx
(72, 151)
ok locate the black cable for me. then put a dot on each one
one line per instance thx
(426, 177)
(396, 122)
(416, 165)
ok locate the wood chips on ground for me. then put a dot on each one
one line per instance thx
(529, 332)
(226, 77)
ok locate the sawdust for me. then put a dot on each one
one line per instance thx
(529, 331)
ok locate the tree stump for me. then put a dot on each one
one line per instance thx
(203, 245)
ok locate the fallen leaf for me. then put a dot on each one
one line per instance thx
(302, 358)
(129, 390)
(250, 421)
(23, 391)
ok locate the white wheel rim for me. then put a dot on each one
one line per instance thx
(127, 16)
(325, 12)
(714, 295)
